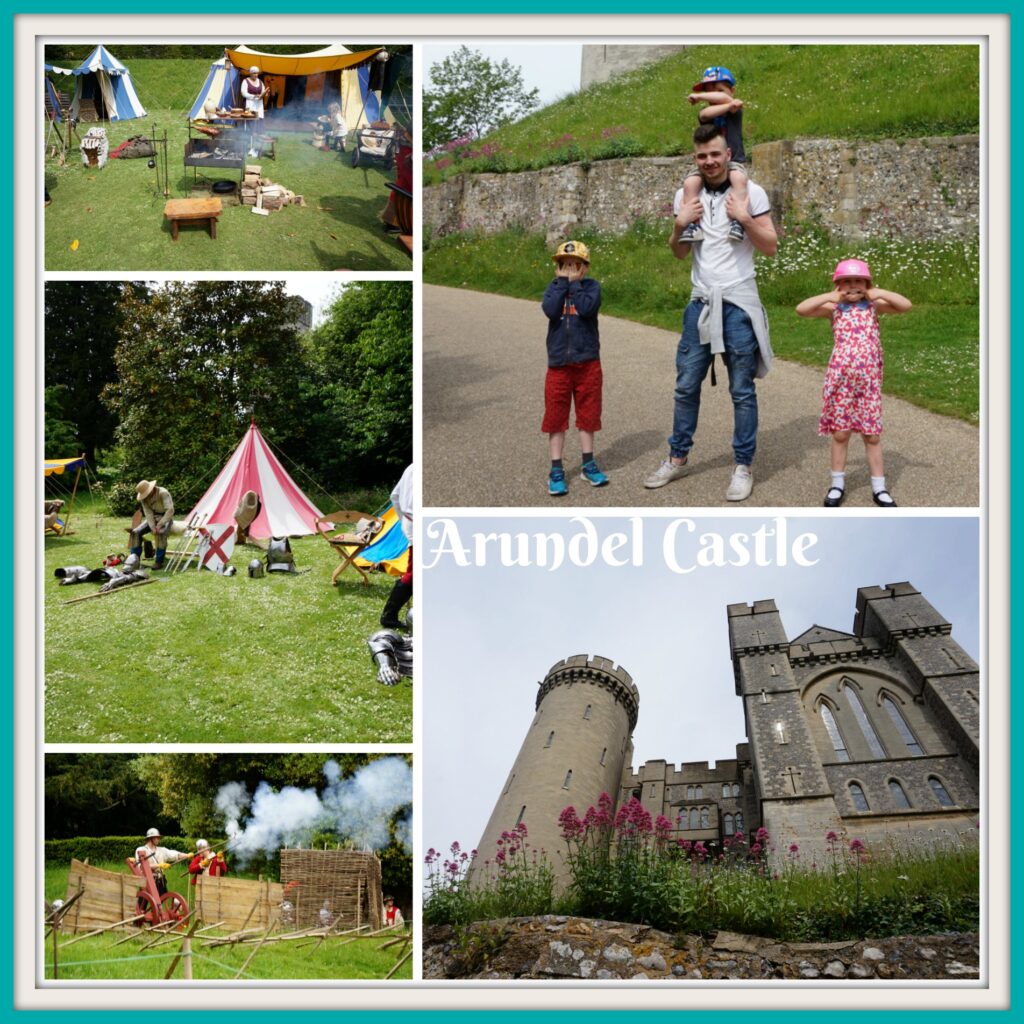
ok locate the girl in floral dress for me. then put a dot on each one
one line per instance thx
(852, 395)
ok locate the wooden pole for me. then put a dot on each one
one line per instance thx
(71, 501)
(107, 593)
(186, 950)
(55, 953)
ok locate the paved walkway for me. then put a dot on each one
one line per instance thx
(483, 399)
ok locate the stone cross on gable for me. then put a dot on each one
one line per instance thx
(792, 776)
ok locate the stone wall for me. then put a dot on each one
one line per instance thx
(920, 189)
(556, 948)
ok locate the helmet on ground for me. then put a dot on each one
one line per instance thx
(153, 833)
(131, 563)
(851, 268)
(255, 569)
(715, 73)
(572, 250)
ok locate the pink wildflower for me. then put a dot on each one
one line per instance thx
(856, 846)
(793, 848)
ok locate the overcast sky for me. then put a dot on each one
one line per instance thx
(491, 634)
(319, 289)
(553, 68)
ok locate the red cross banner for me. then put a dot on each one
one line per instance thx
(218, 541)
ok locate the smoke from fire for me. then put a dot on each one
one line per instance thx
(357, 809)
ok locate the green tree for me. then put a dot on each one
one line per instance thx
(97, 795)
(472, 95)
(194, 362)
(81, 324)
(60, 432)
(362, 360)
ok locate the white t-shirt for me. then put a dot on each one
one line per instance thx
(402, 497)
(718, 262)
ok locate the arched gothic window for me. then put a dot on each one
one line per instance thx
(877, 750)
(898, 794)
(739, 822)
(725, 789)
(568, 779)
(551, 737)
(940, 791)
(694, 818)
(727, 825)
(860, 801)
(705, 818)
(832, 728)
(901, 726)
(586, 712)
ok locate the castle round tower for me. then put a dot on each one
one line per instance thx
(578, 747)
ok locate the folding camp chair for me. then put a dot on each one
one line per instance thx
(349, 543)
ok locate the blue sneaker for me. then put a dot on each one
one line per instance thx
(556, 483)
(593, 474)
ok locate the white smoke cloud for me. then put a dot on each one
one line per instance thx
(357, 809)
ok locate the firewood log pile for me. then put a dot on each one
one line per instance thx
(264, 194)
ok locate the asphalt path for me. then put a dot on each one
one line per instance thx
(483, 400)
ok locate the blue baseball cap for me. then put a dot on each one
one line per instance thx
(715, 73)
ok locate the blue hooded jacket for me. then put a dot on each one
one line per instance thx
(571, 309)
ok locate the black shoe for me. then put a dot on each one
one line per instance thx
(834, 498)
(889, 503)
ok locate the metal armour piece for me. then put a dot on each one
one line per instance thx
(255, 569)
(279, 555)
(122, 579)
(392, 653)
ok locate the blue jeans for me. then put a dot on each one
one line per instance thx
(692, 362)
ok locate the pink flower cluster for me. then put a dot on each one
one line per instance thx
(595, 820)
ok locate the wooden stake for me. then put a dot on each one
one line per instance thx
(99, 931)
(399, 964)
(185, 942)
(248, 959)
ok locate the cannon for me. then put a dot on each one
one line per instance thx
(154, 906)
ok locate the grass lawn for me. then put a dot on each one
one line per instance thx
(931, 353)
(333, 958)
(198, 657)
(789, 91)
(116, 214)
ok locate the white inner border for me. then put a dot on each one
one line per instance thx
(804, 28)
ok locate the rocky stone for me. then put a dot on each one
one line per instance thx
(808, 970)
(872, 953)
(956, 968)
(835, 969)
(617, 954)
(653, 962)
(859, 971)
(927, 952)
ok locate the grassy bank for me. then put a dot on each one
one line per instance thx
(198, 657)
(789, 91)
(931, 354)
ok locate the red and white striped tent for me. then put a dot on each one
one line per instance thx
(286, 511)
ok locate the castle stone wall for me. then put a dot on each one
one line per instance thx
(604, 61)
(914, 189)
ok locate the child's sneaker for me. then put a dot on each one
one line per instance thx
(692, 233)
(556, 483)
(736, 232)
(593, 474)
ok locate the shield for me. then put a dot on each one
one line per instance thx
(216, 544)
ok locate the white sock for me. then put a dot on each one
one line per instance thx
(877, 484)
(839, 480)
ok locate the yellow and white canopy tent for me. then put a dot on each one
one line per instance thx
(58, 468)
(307, 82)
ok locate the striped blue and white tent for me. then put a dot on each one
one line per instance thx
(222, 87)
(102, 78)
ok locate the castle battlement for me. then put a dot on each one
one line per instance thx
(596, 671)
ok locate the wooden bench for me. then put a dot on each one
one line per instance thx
(177, 210)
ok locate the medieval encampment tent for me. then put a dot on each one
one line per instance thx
(285, 512)
(301, 85)
(102, 82)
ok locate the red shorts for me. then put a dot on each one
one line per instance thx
(576, 382)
